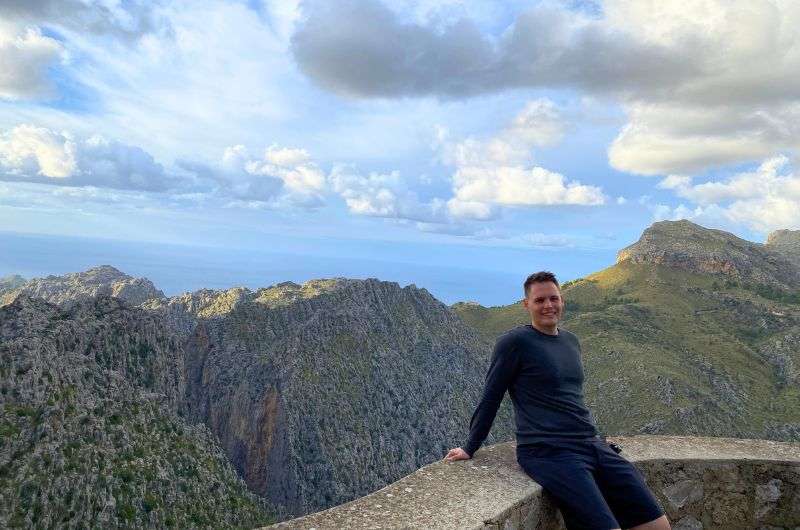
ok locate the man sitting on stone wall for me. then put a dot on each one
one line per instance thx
(557, 442)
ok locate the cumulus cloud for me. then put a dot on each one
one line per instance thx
(383, 195)
(25, 56)
(489, 173)
(37, 154)
(764, 199)
(687, 137)
(303, 181)
(281, 177)
(500, 170)
(704, 84)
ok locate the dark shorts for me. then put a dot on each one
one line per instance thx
(594, 487)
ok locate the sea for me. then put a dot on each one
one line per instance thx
(488, 276)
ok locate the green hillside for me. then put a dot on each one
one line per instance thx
(672, 350)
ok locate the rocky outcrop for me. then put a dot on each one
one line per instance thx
(685, 245)
(104, 280)
(90, 431)
(325, 391)
(787, 243)
(11, 283)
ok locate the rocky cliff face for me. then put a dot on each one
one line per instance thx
(787, 243)
(324, 392)
(89, 430)
(685, 245)
(318, 393)
(103, 280)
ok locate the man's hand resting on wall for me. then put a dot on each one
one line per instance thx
(457, 454)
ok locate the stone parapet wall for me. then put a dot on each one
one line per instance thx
(702, 483)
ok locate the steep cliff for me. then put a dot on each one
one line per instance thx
(324, 392)
(693, 248)
(787, 243)
(90, 434)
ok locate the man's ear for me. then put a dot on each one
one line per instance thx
(525, 303)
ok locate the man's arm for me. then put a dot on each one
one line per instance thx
(502, 371)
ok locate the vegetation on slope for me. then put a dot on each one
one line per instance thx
(89, 434)
(673, 351)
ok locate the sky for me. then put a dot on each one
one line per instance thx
(476, 134)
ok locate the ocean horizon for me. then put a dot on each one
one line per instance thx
(180, 268)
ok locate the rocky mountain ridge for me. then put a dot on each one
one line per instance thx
(90, 430)
(360, 371)
(325, 391)
(69, 288)
(691, 247)
(785, 242)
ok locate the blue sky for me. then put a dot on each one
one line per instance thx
(389, 128)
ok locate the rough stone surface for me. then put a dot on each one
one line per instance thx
(702, 483)
(70, 288)
(786, 242)
(688, 246)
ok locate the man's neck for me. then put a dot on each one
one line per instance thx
(546, 330)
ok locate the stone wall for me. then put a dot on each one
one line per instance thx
(709, 483)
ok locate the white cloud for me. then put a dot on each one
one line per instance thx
(500, 170)
(538, 124)
(673, 182)
(37, 154)
(25, 55)
(282, 177)
(763, 200)
(383, 195)
(518, 186)
(684, 137)
(29, 150)
(477, 210)
(285, 156)
(303, 181)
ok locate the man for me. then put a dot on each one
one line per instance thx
(557, 442)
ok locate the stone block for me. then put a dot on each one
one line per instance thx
(687, 523)
(683, 493)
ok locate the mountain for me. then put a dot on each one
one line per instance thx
(323, 392)
(692, 331)
(90, 427)
(11, 283)
(318, 393)
(103, 280)
(787, 243)
(686, 246)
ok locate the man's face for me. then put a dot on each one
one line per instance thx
(545, 305)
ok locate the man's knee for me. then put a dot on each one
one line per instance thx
(662, 523)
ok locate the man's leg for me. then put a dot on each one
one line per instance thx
(567, 478)
(659, 524)
(626, 492)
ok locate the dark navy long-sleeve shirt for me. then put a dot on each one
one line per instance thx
(543, 375)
